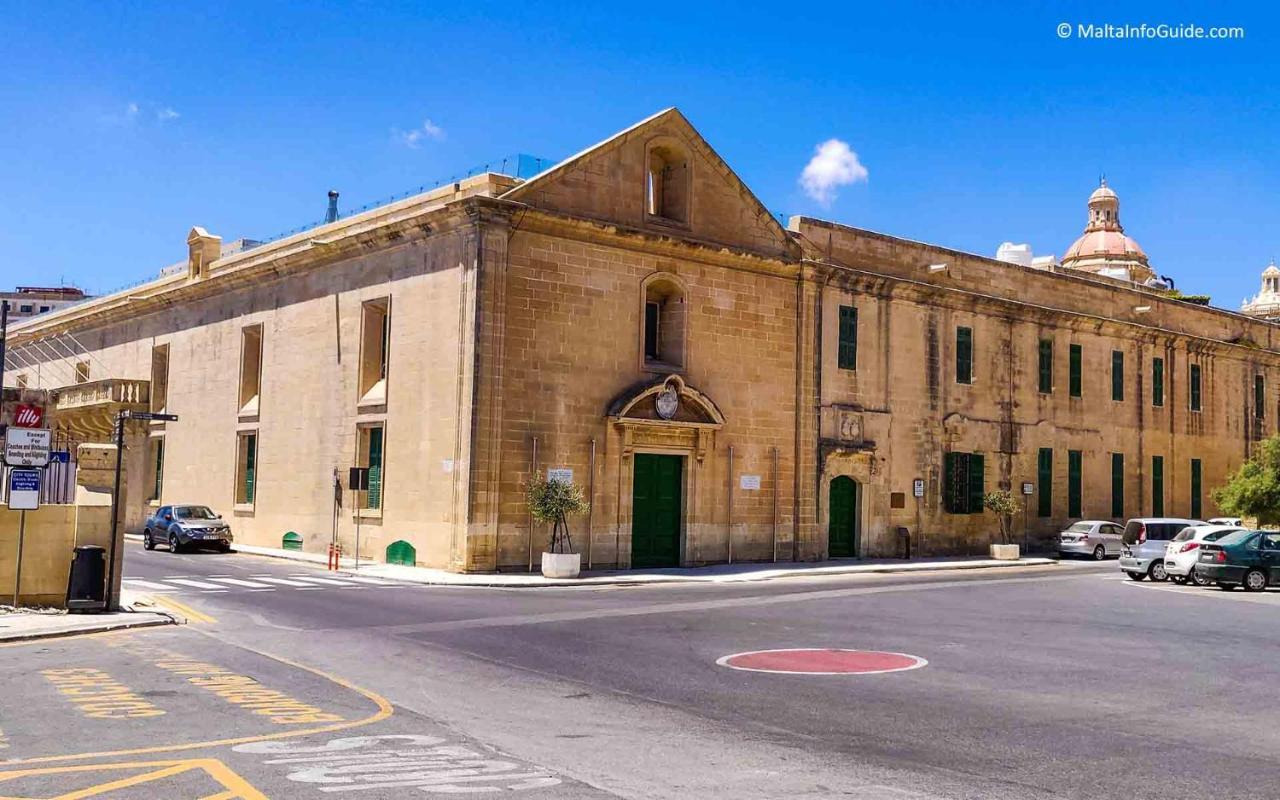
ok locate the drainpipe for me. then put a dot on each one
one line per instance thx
(775, 505)
(533, 471)
(729, 510)
(591, 499)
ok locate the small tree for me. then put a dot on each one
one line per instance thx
(554, 502)
(1004, 504)
(1253, 490)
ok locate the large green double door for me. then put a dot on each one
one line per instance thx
(655, 510)
(842, 518)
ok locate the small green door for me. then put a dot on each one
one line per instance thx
(842, 527)
(655, 511)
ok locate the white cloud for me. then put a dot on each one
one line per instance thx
(833, 165)
(415, 137)
(131, 111)
(165, 114)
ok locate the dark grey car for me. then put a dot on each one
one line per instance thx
(180, 526)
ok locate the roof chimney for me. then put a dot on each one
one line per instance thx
(332, 214)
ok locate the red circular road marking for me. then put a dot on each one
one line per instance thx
(817, 661)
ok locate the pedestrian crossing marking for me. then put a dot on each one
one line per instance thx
(241, 582)
(288, 582)
(258, 583)
(195, 584)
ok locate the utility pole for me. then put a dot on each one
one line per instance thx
(4, 340)
(115, 508)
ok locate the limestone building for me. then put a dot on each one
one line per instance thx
(722, 386)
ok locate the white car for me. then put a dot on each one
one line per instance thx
(1091, 537)
(1236, 521)
(1181, 554)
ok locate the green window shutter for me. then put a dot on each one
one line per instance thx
(1044, 480)
(1195, 488)
(250, 466)
(1157, 486)
(964, 355)
(1075, 357)
(375, 468)
(1074, 461)
(848, 351)
(1194, 388)
(1117, 375)
(977, 483)
(1157, 381)
(1117, 485)
(1259, 396)
(1046, 366)
(159, 468)
(952, 476)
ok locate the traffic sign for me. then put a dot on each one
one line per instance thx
(27, 447)
(358, 479)
(24, 489)
(151, 415)
(59, 456)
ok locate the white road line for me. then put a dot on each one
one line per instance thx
(329, 581)
(284, 581)
(373, 581)
(239, 582)
(194, 584)
(141, 584)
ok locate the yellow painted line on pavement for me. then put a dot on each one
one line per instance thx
(384, 711)
(234, 786)
(185, 610)
(97, 695)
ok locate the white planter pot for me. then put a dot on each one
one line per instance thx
(563, 565)
(1004, 552)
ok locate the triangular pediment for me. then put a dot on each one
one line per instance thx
(611, 182)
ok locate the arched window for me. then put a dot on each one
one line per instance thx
(666, 189)
(663, 330)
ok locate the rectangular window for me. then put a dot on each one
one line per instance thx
(963, 481)
(82, 372)
(1157, 381)
(250, 368)
(1046, 366)
(370, 455)
(1075, 357)
(1193, 386)
(246, 467)
(964, 355)
(156, 466)
(375, 330)
(848, 355)
(1259, 397)
(1157, 486)
(1117, 375)
(1195, 488)
(1044, 482)
(159, 377)
(1074, 500)
(651, 311)
(1117, 485)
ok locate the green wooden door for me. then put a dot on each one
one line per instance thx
(655, 511)
(842, 526)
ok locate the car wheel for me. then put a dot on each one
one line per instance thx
(1157, 571)
(147, 542)
(1178, 579)
(1137, 576)
(1255, 580)
(1099, 553)
(1227, 587)
(1198, 579)
(173, 543)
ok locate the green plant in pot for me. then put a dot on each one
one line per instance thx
(554, 501)
(1004, 504)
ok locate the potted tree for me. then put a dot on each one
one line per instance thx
(554, 501)
(1004, 504)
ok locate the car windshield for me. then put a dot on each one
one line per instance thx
(1216, 535)
(1080, 527)
(1235, 537)
(1186, 534)
(194, 512)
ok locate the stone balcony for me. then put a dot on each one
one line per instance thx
(88, 410)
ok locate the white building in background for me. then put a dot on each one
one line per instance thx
(30, 301)
(1021, 255)
(1266, 303)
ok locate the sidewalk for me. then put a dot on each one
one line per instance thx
(719, 573)
(27, 624)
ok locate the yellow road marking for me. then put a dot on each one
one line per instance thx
(235, 787)
(185, 610)
(97, 695)
(384, 711)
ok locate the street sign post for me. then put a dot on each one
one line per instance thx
(150, 415)
(358, 481)
(115, 490)
(24, 496)
(27, 447)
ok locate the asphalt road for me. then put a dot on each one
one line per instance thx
(1062, 682)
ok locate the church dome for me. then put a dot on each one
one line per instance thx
(1104, 248)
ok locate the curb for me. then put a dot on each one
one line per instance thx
(158, 618)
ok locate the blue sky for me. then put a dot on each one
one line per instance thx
(123, 128)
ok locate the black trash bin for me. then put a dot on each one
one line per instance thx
(87, 586)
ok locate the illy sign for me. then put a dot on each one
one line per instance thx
(25, 416)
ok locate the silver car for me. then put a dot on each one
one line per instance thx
(1094, 538)
(186, 526)
(1145, 540)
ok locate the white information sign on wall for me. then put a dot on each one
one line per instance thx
(917, 487)
(27, 447)
(560, 475)
(24, 489)
(750, 483)
(447, 465)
